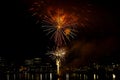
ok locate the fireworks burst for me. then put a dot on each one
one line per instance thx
(57, 54)
(57, 22)
(61, 25)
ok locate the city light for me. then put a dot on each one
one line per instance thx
(114, 76)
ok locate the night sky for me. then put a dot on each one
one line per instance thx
(21, 38)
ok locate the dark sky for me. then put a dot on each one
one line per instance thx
(21, 38)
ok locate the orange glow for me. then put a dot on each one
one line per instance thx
(60, 18)
(67, 31)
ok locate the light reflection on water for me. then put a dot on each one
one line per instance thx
(51, 76)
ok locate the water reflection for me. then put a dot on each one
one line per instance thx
(53, 76)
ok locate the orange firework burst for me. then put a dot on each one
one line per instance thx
(61, 24)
